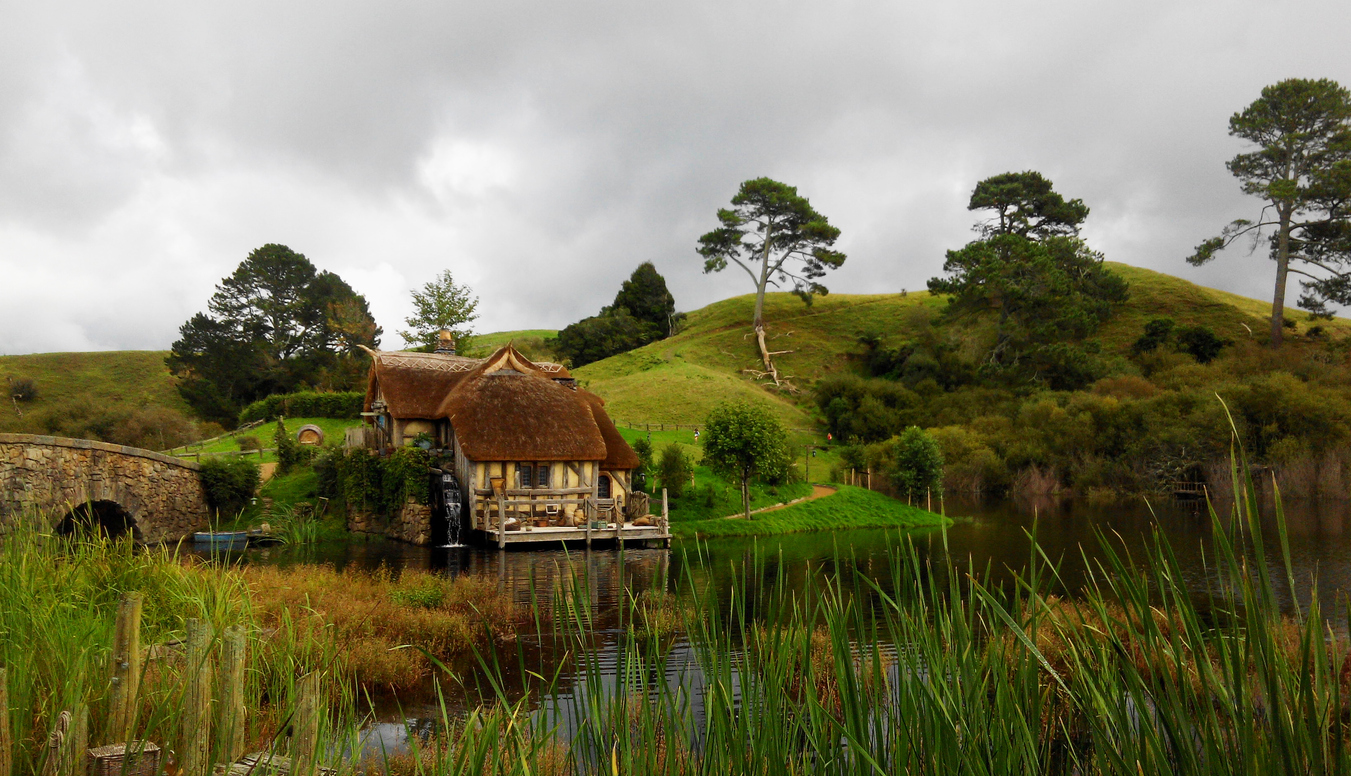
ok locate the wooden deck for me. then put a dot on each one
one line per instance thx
(627, 533)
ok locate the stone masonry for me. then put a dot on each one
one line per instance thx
(412, 523)
(49, 475)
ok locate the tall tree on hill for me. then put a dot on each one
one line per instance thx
(643, 311)
(441, 304)
(646, 298)
(777, 238)
(274, 324)
(1302, 171)
(1045, 285)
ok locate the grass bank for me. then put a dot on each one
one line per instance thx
(848, 508)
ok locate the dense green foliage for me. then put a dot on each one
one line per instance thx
(229, 483)
(441, 304)
(643, 311)
(306, 404)
(915, 467)
(1301, 170)
(1045, 288)
(370, 483)
(274, 325)
(674, 470)
(745, 442)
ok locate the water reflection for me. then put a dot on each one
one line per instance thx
(993, 536)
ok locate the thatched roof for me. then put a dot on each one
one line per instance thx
(413, 385)
(508, 409)
(618, 454)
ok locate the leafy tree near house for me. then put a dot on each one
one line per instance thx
(745, 442)
(774, 235)
(1301, 170)
(441, 304)
(643, 311)
(1044, 286)
(275, 324)
(674, 469)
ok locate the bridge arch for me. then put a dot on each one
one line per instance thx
(103, 518)
(78, 482)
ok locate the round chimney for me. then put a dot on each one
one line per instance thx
(445, 342)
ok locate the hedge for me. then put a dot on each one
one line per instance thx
(306, 404)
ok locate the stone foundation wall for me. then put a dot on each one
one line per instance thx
(48, 476)
(412, 524)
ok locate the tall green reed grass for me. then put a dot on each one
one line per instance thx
(930, 671)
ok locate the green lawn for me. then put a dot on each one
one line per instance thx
(333, 434)
(120, 381)
(848, 509)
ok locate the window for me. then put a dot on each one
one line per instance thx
(524, 477)
(542, 475)
(603, 486)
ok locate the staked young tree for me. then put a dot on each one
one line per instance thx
(274, 324)
(1045, 286)
(776, 236)
(441, 304)
(1301, 169)
(745, 442)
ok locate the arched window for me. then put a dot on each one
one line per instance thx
(603, 486)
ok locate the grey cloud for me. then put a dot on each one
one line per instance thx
(541, 150)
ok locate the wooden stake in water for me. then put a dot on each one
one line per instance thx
(195, 737)
(6, 735)
(124, 678)
(230, 731)
(306, 727)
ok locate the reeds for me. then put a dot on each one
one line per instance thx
(927, 670)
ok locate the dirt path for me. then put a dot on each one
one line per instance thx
(818, 491)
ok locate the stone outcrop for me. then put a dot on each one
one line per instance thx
(412, 523)
(48, 476)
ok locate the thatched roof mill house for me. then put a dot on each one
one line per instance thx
(535, 457)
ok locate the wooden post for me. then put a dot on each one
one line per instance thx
(586, 518)
(230, 731)
(929, 499)
(305, 741)
(501, 521)
(75, 757)
(125, 671)
(666, 517)
(194, 742)
(870, 478)
(6, 733)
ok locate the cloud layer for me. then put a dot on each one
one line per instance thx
(541, 150)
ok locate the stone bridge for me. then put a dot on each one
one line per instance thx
(78, 484)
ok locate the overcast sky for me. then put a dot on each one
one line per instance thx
(541, 150)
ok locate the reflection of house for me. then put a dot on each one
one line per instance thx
(533, 453)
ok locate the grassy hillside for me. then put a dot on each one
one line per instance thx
(679, 379)
(116, 383)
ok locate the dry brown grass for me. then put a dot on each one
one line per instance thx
(371, 619)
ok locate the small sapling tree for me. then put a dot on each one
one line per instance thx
(441, 304)
(918, 467)
(745, 442)
(674, 469)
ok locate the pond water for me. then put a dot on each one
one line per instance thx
(991, 536)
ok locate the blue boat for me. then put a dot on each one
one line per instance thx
(220, 540)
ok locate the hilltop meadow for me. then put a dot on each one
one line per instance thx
(863, 367)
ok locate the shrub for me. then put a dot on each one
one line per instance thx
(229, 483)
(288, 452)
(154, 428)
(249, 443)
(674, 469)
(306, 404)
(23, 388)
(1200, 343)
(1157, 332)
(918, 464)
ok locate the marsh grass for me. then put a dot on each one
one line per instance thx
(928, 670)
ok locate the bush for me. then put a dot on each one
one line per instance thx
(23, 388)
(306, 404)
(917, 466)
(249, 443)
(1200, 343)
(229, 483)
(369, 483)
(674, 469)
(153, 428)
(1157, 332)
